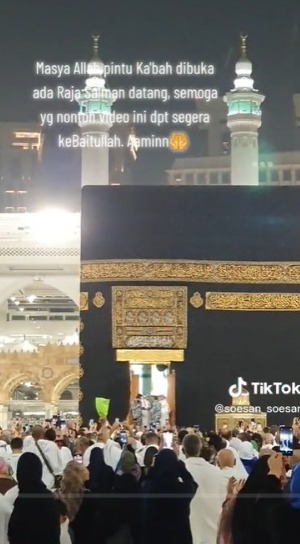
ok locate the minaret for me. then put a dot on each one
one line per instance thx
(95, 121)
(244, 120)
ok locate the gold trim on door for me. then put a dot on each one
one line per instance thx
(150, 356)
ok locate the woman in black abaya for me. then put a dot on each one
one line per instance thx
(35, 518)
(101, 484)
(168, 491)
(101, 475)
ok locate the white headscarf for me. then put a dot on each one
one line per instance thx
(236, 443)
(28, 441)
(247, 451)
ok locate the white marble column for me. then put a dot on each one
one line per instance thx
(3, 416)
(50, 410)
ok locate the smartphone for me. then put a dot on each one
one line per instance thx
(286, 440)
(123, 438)
(91, 422)
(168, 440)
(78, 458)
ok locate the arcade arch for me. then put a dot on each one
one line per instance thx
(43, 313)
(13, 382)
(26, 391)
(40, 311)
(67, 379)
(68, 285)
(71, 392)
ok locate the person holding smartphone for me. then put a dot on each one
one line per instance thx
(261, 513)
(152, 440)
(111, 449)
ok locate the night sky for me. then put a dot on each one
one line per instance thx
(59, 31)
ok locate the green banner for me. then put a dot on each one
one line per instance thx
(102, 406)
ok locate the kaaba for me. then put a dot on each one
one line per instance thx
(202, 279)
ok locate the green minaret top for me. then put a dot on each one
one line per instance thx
(243, 69)
(95, 67)
(95, 43)
(96, 98)
(243, 46)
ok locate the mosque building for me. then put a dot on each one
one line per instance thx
(21, 147)
(39, 261)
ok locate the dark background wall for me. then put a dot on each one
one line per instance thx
(201, 223)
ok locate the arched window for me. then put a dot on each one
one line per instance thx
(26, 391)
(71, 392)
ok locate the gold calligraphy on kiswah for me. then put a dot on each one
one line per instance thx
(149, 317)
(191, 271)
(285, 302)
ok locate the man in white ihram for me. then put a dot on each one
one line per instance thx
(45, 449)
(111, 450)
(206, 506)
(165, 411)
(227, 465)
(145, 412)
(6, 508)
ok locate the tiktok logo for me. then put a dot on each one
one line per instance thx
(236, 389)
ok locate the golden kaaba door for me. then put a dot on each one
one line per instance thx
(167, 390)
(149, 331)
